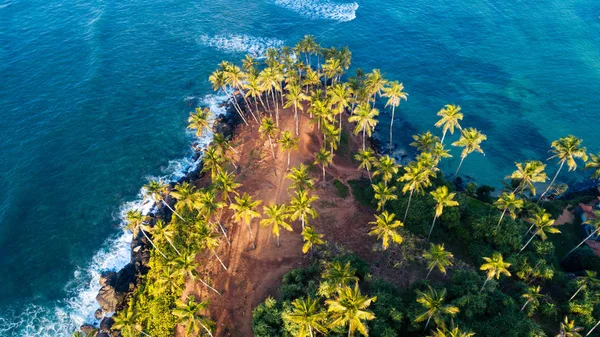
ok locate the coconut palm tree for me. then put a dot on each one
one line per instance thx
(349, 309)
(311, 78)
(470, 139)
(306, 316)
(189, 314)
(375, 83)
(311, 238)
(208, 239)
(386, 167)
(508, 202)
(386, 229)
(154, 190)
(425, 142)
(222, 144)
(595, 223)
(566, 150)
(126, 323)
(169, 280)
(212, 161)
(185, 265)
(365, 159)
(339, 95)
(336, 276)
(438, 257)
(320, 112)
(544, 224)
(527, 174)
(276, 216)
(383, 194)
(294, 98)
(269, 77)
(393, 91)
(433, 302)
(288, 143)
(451, 116)
(218, 81)
(268, 129)
(442, 199)
(186, 196)
(452, 332)
(331, 135)
(254, 89)
(225, 182)
(323, 158)
(245, 209)
(135, 220)
(586, 281)
(494, 267)
(162, 231)
(594, 164)
(365, 118)
(208, 206)
(532, 296)
(416, 178)
(569, 329)
(301, 206)
(332, 69)
(300, 179)
(200, 121)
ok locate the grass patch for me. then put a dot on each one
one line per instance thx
(342, 189)
(362, 192)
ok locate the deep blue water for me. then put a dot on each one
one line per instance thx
(94, 99)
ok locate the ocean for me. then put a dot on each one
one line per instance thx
(94, 99)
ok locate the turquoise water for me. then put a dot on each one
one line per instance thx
(94, 99)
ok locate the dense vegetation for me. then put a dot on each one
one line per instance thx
(504, 277)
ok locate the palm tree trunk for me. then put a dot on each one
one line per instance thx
(172, 245)
(592, 329)
(153, 245)
(323, 172)
(276, 108)
(143, 333)
(430, 270)
(443, 136)
(369, 174)
(207, 330)
(248, 105)
(206, 284)
(172, 210)
(391, 123)
(533, 236)
(218, 258)
(427, 324)
(251, 236)
(310, 331)
(302, 217)
(408, 205)
(235, 105)
(459, 165)
(552, 182)
(271, 144)
(278, 244)
(296, 119)
(289, 155)
(364, 136)
(575, 294)
(484, 283)
(431, 230)
(501, 217)
(584, 240)
(224, 232)
(524, 305)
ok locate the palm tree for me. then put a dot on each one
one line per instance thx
(188, 314)
(425, 142)
(154, 190)
(442, 199)
(350, 309)
(212, 161)
(218, 81)
(394, 94)
(336, 276)
(470, 139)
(208, 239)
(254, 89)
(186, 196)
(135, 221)
(222, 143)
(126, 322)
(433, 302)
(438, 257)
(386, 167)
(416, 178)
(386, 229)
(186, 266)
(365, 118)
(268, 129)
(532, 296)
(365, 159)
(306, 315)
(276, 216)
(200, 121)
(566, 150)
(225, 182)
(162, 231)
(168, 280)
(311, 238)
(451, 116)
(544, 224)
(208, 206)
(594, 163)
(527, 174)
(383, 194)
(288, 143)
(244, 208)
(294, 98)
(375, 83)
(300, 207)
(595, 224)
(453, 332)
(300, 179)
(340, 97)
(508, 202)
(569, 329)
(323, 158)
(331, 135)
(587, 281)
(494, 267)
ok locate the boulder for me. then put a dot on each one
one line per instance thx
(99, 314)
(109, 299)
(88, 330)
(107, 278)
(106, 324)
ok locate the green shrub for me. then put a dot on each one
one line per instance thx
(342, 189)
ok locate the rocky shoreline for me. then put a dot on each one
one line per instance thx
(117, 288)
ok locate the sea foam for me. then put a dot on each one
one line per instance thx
(240, 43)
(321, 10)
(65, 316)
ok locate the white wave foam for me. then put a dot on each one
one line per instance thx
(324, 10)
(69, 314)
(236, 43)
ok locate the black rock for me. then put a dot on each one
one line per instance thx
(106, 324)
